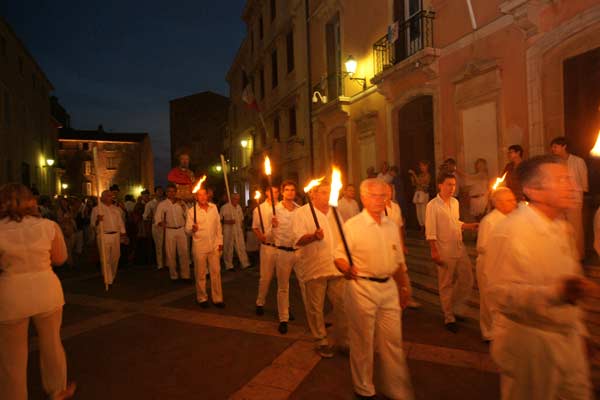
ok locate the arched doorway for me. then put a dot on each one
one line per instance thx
(415, 120)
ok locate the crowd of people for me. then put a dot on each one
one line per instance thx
(528, 268)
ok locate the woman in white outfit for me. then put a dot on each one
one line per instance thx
(29, 290)
(421, 182)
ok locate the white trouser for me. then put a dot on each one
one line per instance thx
(158, 237)
(575, 218)
(485, 314)
(315, 302)
(537, 364)
(455, 283)
(284, 264)
(14, 352)
(376, 316)
(421, 213)
(112, 252)
(268, 256)
(177, 245)
(233, 236)
(200, 262)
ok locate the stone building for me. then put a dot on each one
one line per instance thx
(27, 130)
(124, 159)
(197, 126)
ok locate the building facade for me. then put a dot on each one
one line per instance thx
(197, 126)
(125, 159)
(27, 130)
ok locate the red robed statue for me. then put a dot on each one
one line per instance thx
(183, 178)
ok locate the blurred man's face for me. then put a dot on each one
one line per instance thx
(558, 150)
(555, 188)
(160, 192)
(289, 192)
(514, 156)
(202, 197)
(374, 199)
(107, 197)
(171, 193)
(350, 192)
(184, 161)
(447, 188)
(235, 199)
(275, 193)
(505, 202)
(320, 196)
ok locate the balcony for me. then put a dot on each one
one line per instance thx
(414, 35)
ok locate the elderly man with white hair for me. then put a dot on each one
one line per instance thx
(504, 202)
(112, 230)
(377, 291)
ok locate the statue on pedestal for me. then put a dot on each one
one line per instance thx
(183, 178)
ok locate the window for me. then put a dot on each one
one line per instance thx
(290, 51)
(273, 9)
(86, 146)
(112, 162)
(274, 77)
(87, 188)
(262, 83)
(276, 135)
(334, 58)
(87, 168)
(261, 32)
(292, 118)
(244, 80)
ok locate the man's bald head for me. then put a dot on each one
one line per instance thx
(504, 200)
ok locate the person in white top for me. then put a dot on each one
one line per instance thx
(283, 235)
(504, 202)
(262, 227)
(534, 281)
(113, 228)
(233, 233)
(29, 290)
(385, 174)
(377, 291)
(207, 244)
(171, 214)
(443, 231)
(317, 270)
(579, 175)
(157, 232)
(597, 232)
(347, 205)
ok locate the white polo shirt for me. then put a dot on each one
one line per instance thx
(111, 218)
(443, 225)
(209, 235)
(486, 227)
(283, 234)
(347, 208)
(175, 214)
(375, 248)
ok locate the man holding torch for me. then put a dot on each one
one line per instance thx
(315, 236)
(377, 291)
(207, 243)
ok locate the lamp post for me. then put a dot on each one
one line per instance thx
(351, 65)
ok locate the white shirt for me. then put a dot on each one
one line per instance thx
(347, 208)
(111, 218)
(266, 212)
(315, 260)
(486, 227)
(28, 286)
(229, 212)
(387, 177)
(129, 206)
(527, 256)
(579, 173)
(175, 213)
(150, 210)
(375, 248)
(597, 232)
(395, 214)
(209, 235)
(442, 224)
(283, 234)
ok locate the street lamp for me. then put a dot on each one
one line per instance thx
(244, 143)
(218, 168)
(65, 186)
(351, 65)
(49, 162)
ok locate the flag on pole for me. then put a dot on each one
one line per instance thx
(248, 94)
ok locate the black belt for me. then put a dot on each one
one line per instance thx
(284, 248)
(270, 244)
(174, 227)
(110, 233)
(374, 279)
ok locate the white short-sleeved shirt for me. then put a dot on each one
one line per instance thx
(347, 208)
(174, 212)
(527, 256)
(28, 286)
(209, 235)
(487, 225)
(315, 260)
(376, 249)
(579, 173)
(111, 218)
(266, 212)
(150, 210)
(229, 212)
(443, 225)
(283, 234)
(395, 214)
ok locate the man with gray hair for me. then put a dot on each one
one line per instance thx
(534, 281)
(504, 203)
(377, 291)
(113, 228)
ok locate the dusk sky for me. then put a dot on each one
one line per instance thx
(118, 63)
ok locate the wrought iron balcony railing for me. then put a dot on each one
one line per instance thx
(414, 34)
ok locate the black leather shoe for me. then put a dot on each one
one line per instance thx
(452, 327)
(260, 310)
(219, 305)
(360, 396)
(203, 304)
(283, 328)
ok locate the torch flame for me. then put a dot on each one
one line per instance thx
(256, 195)
(336, 186)
(267, 166)
(312, 184)
(596, 150)
(499, 181)
(199, 184)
